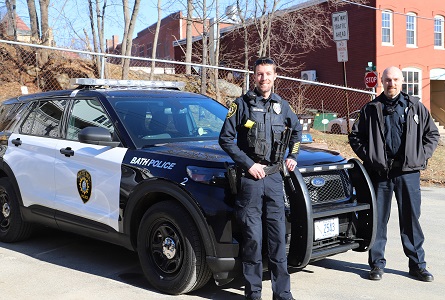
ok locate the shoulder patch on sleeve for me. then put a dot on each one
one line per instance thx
(232, 109)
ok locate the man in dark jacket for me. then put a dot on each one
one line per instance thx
(395, 136)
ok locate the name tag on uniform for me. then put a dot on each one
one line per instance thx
(258, 109)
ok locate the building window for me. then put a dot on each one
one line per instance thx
(411, 85)
(411, 29)
(149, 49)
(438, 31)
(387, 27)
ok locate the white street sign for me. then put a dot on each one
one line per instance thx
(342, 51)
(340, 26)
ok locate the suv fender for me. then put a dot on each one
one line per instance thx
(145, 194)
(302, 229)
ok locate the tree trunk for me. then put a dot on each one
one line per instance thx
(34, 21)
(205, 50)
(44, 4)
(93, 33)
(125, 35)
(155, 41)
(216, 54)
(188, 50)
(11, 6)
(129, 40)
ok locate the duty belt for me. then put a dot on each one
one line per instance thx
(268, 170)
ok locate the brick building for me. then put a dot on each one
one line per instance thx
(408, 34)
(173, 28)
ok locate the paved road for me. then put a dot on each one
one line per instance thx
(56, 265)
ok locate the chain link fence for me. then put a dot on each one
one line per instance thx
(34, 68)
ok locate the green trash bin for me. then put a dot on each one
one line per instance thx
(321, 120)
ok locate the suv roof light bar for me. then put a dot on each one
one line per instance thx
(114, 83)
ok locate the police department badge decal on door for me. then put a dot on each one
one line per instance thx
(84, 185)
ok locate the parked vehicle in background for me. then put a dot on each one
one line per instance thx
(340, 126)
(138, 164)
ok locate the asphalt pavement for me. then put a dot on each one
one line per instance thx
(58, 265)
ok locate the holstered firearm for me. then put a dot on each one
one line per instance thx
(231, 177)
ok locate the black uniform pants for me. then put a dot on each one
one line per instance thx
(406, 187)
(258, 199)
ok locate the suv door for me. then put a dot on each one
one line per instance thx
(88, 176)
(31, 152)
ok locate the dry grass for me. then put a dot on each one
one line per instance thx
(433, 175)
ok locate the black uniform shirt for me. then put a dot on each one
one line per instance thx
(236, 126)
(394, 117)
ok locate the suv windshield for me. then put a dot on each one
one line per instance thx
(151, 121)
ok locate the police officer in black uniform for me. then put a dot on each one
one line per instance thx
(395, 136)
(264, 126)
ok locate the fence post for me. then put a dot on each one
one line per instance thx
(102, 68)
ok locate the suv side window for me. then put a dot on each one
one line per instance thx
(7, 113)
(44, 119)
(85, 113)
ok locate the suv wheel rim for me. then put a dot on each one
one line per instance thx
(6, 211)
(165, 248)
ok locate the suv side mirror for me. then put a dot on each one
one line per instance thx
(96, 136)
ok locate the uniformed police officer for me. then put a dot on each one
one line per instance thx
(395, 136)
(262, 123)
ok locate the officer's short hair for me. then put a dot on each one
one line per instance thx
(265, 61)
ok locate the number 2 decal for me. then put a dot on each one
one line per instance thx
(185, 181)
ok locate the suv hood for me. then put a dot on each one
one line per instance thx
(211, 151)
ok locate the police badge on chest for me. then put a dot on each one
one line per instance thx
(276, 108)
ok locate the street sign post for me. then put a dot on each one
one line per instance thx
(371, 79)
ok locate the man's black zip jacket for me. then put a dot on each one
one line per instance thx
(367, 137)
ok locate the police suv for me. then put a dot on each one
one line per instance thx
(137, 163)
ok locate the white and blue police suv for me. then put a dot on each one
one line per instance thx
(137, 163)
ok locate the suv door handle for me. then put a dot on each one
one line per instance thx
(17, 142)
(67, 151)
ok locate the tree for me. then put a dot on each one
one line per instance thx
(127, 42)
(268, 29)
(155, 41)
(189, 37)
(44, 24)
(10, 7)
(34, 21)
(97, 22)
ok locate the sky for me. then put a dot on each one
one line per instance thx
(70, 18)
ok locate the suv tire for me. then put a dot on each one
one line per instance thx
(12, 226)
(170, 250)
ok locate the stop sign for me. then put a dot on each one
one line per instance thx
(371, 79)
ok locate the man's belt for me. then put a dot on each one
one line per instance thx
(394, 164)
(269, 169)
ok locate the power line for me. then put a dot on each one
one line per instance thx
(394, 12)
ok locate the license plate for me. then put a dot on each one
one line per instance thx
(326, 228)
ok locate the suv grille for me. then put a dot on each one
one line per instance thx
(336, 186)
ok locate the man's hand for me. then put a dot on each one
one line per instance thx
(257, 171)
(291, 164)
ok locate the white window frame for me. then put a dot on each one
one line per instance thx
(410, 75)
(411, 26)
(390, 27)
(439, 22)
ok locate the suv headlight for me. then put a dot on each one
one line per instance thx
(211, 176)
